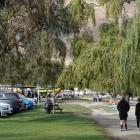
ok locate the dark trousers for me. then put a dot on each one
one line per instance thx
(138, 122)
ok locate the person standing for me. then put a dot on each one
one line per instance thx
(94, 97)
(137, 113)
(123, 108)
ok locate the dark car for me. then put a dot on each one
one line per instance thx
(13, 100)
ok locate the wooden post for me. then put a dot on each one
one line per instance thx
(53, 101)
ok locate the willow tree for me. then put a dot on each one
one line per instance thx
(81, 12)
(66, 78)
(79, 43)
(96, 66)
(114, 8)
(129, 50)
(130, 56)
(112, 63)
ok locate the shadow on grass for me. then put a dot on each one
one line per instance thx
(40, 115)
(66, 117)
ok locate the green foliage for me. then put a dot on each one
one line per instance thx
(114, 8)
(81, 12)
(130, 56)
(79, 43)
(11, 70)
(125, 55)
(66, 78)
(31, 31)
(31, 38)
(93, 65)
(112, 64)
(71, 76)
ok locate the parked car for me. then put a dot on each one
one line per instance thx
(13, 100)
(5, 109)
(59, 98)
(105, 95)
(34, 100)
(27, 101)
(67, 94)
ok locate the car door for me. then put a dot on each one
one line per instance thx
(13, 100)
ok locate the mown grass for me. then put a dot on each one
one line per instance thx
(38, 125)
(106, 107)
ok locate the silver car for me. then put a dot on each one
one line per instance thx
(5, 109)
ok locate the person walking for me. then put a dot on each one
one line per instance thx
(137, 113)
(123, 108)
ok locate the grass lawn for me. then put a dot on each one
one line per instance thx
(106, 107)
(38, 125)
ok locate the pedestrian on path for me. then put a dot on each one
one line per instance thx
(123, 108)
(137, 113)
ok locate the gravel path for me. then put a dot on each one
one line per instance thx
(110, 121)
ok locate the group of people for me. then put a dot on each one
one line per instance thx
(123, 108)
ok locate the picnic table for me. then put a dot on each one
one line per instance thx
(57, 107)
